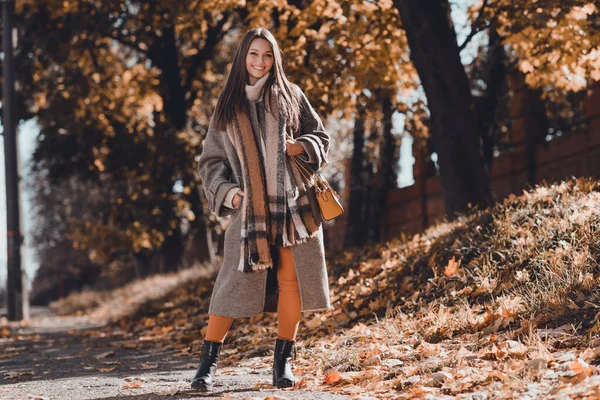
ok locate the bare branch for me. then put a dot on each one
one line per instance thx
(475, 28)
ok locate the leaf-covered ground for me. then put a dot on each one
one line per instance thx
(503, 303)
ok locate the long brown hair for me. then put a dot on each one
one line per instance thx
(233, 96)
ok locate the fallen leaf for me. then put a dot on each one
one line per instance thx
(36, 397)
(515, 349)
(133, 385)
(535, 365)
(581, 367)
(498, 375)
(419, 391)
(314, 323)
(510, 306)
(453, 268)
(590, 354)
(437, 379)
(104, 355)
(262, 385)
(376, 304)
(429, 349)
(577, 372)
(8, 355)
(302, 383)
(373, 360)
(17, 374)
(333, 377)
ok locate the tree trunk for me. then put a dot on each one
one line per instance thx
(387, 171)
(176, 107)
(495, 78)
(171, 252)
(173, 93)
(454, 125)
(536, 127)
(355, 221)
(204, 248)
(369, 185)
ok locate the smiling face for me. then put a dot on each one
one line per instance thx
(259, 60)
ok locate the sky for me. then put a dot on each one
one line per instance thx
(28, 131)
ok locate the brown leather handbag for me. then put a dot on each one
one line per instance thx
(329, 201)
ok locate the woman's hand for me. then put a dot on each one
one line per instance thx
(237, 199)
(293, 148)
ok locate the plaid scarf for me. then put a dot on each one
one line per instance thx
(275, 206)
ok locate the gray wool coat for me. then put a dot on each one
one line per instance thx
(245, 294)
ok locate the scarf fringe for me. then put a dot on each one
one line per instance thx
(254, 266)
(263, 266)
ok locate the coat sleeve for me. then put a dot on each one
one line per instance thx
(312, 136)
(215, 171)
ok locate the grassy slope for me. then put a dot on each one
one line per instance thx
(503, 301)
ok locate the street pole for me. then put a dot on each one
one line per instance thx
(13, 224)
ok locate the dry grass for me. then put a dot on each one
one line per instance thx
(113, 304)
(534, 257)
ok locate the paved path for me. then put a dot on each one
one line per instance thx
(71, 358)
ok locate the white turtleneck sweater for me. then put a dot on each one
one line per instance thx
(254, 92)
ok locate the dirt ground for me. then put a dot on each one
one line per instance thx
(73, 359)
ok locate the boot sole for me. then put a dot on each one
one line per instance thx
(202, 387)
(283, 385)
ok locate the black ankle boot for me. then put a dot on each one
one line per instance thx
(203, 380)
(282, 368)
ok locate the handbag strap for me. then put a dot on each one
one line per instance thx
(321, 183)
(303, 170)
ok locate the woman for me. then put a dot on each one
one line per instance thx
(274, 258)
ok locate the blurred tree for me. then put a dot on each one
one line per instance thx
(554, 42)
(132, 76)
(62, 267)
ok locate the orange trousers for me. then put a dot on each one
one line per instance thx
(288, 305)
